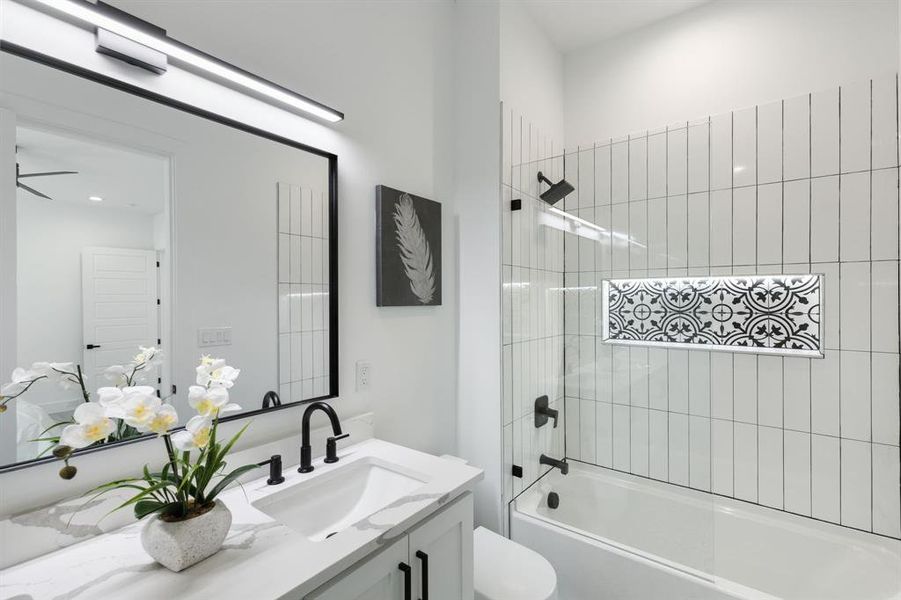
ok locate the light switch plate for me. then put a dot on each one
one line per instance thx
(214, 336)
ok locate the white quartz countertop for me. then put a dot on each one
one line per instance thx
(261, 558)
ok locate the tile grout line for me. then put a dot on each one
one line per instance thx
(839, 254)
(870, 257)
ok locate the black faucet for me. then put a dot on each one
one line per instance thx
(275, 469)
(271, 398)
(331, 446)
(553, 462)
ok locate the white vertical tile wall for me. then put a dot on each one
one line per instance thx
(303, 290)
(804, 185)
(533, 299)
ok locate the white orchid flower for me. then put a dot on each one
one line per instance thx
(19, 381)
(147, 356)
(213, 372)
(116, 374)
(43, 368)
(208, 401)
(111, 399)
(195, 435)
(65, 374)
(163, 419)
(109, 396)
(91, 425)
(139, 405)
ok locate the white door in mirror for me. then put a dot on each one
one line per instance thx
(120, 308)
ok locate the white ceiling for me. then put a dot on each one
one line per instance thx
(574, 24)
(124, 178)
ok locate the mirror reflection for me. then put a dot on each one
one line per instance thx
(146, 238)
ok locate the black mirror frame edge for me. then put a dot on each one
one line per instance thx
(23, 52)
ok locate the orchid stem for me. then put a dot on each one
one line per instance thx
(84, 390)
(174, 464)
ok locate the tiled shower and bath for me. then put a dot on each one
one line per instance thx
(752, 469)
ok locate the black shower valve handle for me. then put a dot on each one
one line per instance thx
(543, 412)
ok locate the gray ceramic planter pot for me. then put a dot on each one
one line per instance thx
(180, 544)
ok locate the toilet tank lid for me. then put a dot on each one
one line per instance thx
(505, 570)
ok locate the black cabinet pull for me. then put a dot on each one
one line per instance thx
(92, 346)
(422, 556)
(408, 583)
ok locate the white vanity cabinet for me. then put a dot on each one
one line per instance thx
(437, 552)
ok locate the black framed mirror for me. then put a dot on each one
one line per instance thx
(149, 233)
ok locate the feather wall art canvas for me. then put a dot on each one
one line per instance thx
(408, 252)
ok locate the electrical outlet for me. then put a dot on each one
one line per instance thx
(363, 373)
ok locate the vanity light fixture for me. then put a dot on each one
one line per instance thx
(109, 19)
(95, 198)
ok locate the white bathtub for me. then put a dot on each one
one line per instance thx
(619, 537)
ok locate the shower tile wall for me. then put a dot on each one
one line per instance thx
(303, 290)
(532, 299)
(805, 185)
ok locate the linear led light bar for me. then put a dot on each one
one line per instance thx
(90, 14)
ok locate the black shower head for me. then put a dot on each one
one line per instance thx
(557, 191)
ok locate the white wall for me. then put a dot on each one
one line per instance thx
(723, 56)
(51, 237)
(477, 180)
(531, 71)
(388, 65)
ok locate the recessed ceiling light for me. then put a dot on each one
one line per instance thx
(95, 198)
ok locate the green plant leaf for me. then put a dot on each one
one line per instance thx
(151, 491)
(60, 424)
(226, 480)
(147, 507)
(231, 442)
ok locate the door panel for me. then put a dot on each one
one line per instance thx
(378, 578)
(446, 541)
(119, 306)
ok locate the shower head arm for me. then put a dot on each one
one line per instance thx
(541, 177)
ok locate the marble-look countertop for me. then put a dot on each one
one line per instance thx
(260, 559)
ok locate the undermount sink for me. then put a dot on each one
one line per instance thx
(334, 501)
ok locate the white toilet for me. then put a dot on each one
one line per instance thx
(505, 570)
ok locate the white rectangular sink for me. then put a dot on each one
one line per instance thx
(334, 501)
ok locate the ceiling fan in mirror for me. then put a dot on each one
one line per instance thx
(20, 176)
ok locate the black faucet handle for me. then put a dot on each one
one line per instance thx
(331, 447)
(543, 412)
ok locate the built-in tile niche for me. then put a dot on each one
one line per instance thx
(764, 314)
(303, 293)
(807, 185)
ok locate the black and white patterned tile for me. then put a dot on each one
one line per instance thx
(762, 313)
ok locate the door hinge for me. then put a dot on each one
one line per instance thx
(517, 471)
(157, 264)
(159, 342)
(159, 380)
(174, 389)
(157, 301)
